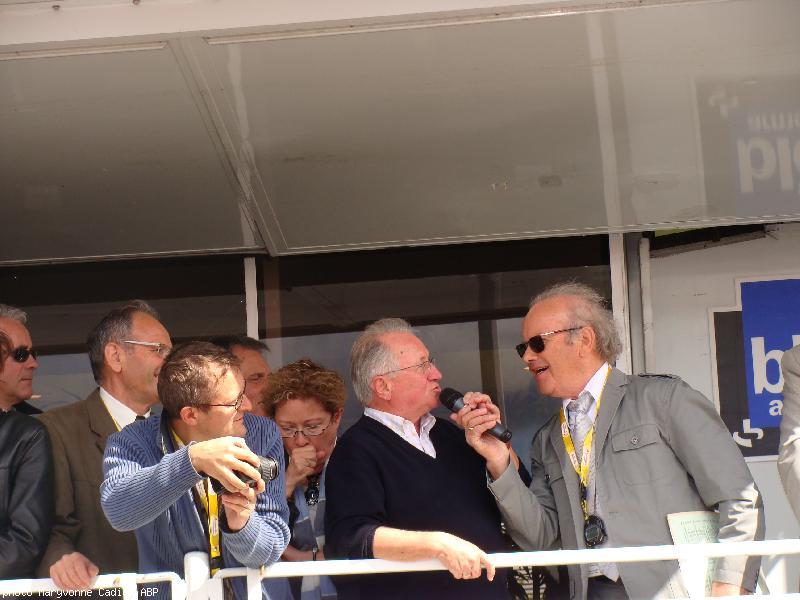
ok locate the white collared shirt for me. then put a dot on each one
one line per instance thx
(121, 414)
(595, 388)
(406, 430)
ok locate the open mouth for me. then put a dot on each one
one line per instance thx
(538, 370)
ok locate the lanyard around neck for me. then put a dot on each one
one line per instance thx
(582, 467)
(210, 501)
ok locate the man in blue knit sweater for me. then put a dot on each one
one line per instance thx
(158, 473)
(404, 485)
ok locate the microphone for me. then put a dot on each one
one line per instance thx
(454, 400)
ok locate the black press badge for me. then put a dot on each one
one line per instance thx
(594, 531)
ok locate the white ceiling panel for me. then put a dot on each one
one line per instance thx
(420, 135)
(108, 154)
(608, 121)
(296, 135)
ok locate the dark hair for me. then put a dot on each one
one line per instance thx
(5, 349)
(190, 375)
(304, 379)
(114, 327)
(229, 342)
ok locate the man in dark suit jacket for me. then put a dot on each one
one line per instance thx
(126, 349)
(657, 447)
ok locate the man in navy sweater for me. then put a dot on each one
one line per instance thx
(158, 473)
(404, 485)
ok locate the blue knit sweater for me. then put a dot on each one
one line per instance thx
(149, 491)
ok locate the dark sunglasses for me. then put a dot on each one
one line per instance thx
(22, 353)
(537, 342)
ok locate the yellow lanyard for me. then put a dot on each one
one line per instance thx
(210, 501)
(582, 467)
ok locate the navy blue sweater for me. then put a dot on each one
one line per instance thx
(376, 478)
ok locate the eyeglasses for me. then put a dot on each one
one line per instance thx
(234, 406)
(425, 366)
(156, 347)
(536, 343)
(309, 431)
(21, 354)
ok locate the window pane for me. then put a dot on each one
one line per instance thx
(467, 303)
(196, 297)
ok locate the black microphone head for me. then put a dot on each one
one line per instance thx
(503, 436)
(450, 397)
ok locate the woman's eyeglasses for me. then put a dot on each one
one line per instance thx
(308, 431)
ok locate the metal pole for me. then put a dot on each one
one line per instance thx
(251, 296)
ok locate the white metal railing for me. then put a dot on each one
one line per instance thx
(199, 586)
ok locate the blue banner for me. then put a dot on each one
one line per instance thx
(770, 326)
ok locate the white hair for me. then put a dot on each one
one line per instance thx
(370, 357)
(12, 312)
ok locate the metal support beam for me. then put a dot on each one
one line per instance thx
(635, 319)
(619, 297)
(251, 296)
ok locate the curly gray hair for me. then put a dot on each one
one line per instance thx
(589, 308)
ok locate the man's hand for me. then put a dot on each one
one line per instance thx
(239, 506)
(462, 558)
(73, 572)
(727, 589)
(302, 462)
(477, 417)
(220, 457)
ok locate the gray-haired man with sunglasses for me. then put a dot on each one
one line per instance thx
(26, 471)
(16, 380)
(622, 454)
(126, 351)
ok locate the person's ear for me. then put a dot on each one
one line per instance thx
(337, 417)
(189, 415)
(381, 388)
(113, 356)
(587, 341)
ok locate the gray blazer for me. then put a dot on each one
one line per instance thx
(660, 448)
(789, 454)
